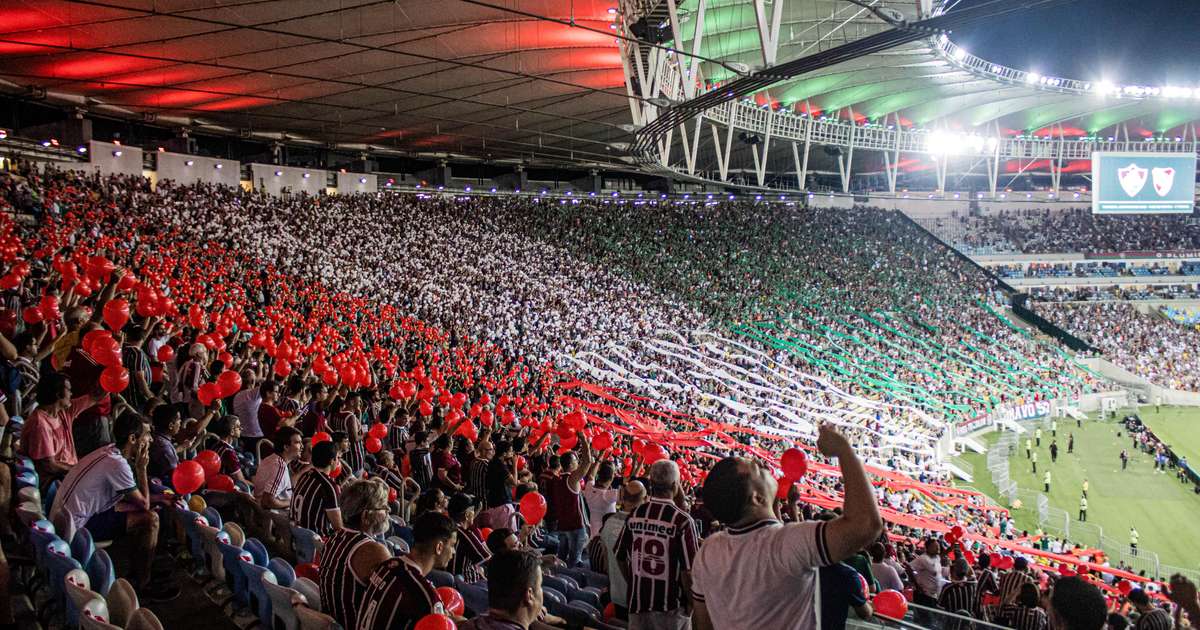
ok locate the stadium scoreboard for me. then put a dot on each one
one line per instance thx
(1143, 183)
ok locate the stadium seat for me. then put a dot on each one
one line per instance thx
(29, 493)
(256, 575)
(214, 562)
(143, 619)
(58, 563)
(475, 597)
(82, 546)
(310, 591)
(554, 599)
(284, 573)
(29, 512)
(282, 609)
(79, 593)
(94, 616)
(100, 572)
(587, 596)
(191, 528)
(231, 558)
(558, 583)
(122, 601)
(315, 620)
(307, 543)
(440, 578)
(257, 550)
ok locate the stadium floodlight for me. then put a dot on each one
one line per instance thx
(738, 67)
(279, 173)
(1032, 77)
(189, 162)
(117, 153)
(307, 175)
(960, 54)
(362, 180)
(81, 149)
(493, 190)
(467, 189)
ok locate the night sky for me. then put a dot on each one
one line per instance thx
(1144, 42)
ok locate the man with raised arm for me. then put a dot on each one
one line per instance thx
(760, 573)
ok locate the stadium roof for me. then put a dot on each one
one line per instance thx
(508, 78)
(927, 83)
(446, 76)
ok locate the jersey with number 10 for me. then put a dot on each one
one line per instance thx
(659, 542)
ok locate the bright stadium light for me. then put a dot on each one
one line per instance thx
(1032, 77)
(960, 54)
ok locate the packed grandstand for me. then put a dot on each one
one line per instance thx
(667, 383)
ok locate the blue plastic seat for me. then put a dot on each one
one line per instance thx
(553, 598)
(591, 614)
(259, 599)
(231, 560)
(306, 542)
(257, 550)
(48, 496)
(58, 564)
(475, 597)
(82, 547)
(101, 573)
(441, 578)
(587, 596)
(557, 582)
(190, 521)
(26, 479)
(213, 517)
(284, 573)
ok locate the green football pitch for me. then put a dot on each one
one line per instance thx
(1164, 511)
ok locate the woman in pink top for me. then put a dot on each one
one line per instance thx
(46, 437)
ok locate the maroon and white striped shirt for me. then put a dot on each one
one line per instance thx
(341, 592)
(397, 597)
(659, 542)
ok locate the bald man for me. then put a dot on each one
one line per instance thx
(632, 495)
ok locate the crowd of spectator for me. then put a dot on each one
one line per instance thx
(1145, 343)
(1073, 230)
(145, 329)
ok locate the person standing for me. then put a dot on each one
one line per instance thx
(633, 494)
(568, 504)
(926, 572)
(1085, 487)
(1037, 437)
(1083, 508)
(1053, 427)
(759, 571)
(1053, 451)
(841, 590)
(960, 594)
(655, 553)
(1028, 448)
(1046, 481)
(1070, 443)
(1124, 459)
(315, 496)
(398, 592)
(1133, 540)
(1033, 460)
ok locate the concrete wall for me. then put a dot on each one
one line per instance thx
(274, 179)
(176, 167)
(349, 183)
(103, 159)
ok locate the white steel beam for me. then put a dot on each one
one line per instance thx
(768, 29)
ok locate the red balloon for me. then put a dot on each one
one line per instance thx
(610, 611)
(209, 461)
(785, 485)
(114, 379)
(32, 315)
(484, 532)
(486, 418)
(425, 408)
(282, 368)
(49, 307)
(533, 507)
(1124, 587)
(890, 604)
(337, 470)
(957, 531)
(378, 430)
(330, 378)
(392, 494)
(321, 436)
(794, 463)
(116, 313)
(654, 452)
(166, 354)
(520, 462)
(309, 570)
(374, 444)
(221, 483)
(603, 441)
(230, 383)
(435, 622)
(187, 477)
(208, 393)
(452, 600)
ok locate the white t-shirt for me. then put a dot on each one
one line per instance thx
(929, 574)
(762, 576)
(600, 501)
(273, 478)
(888, 577)
(92, 486)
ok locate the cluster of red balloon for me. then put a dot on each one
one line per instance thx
(191, 475)
(375, 435)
